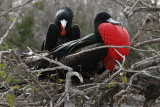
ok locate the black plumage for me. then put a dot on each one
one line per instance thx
(61, 31)
(77, 53)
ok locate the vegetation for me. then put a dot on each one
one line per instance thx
(137, 76)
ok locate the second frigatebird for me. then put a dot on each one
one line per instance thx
(62, 31)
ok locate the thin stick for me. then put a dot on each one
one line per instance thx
(140, 44)
(111, 46)
(139, 33)
(17, 15)
(1, 39)
(13, 8)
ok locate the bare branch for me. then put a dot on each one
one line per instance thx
(55, 62)
(49, 69)
(119, 2)
(148, 42)
(13, 8)
(139, 33)
(121, 68)
(144, 64)
(17, 15)
(129, 11)
(111, 46)
(1, 39)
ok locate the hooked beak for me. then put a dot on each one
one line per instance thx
(63, 23)
(110, 20)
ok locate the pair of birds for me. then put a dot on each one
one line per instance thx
(64, 43)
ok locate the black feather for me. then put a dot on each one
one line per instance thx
(54, 37)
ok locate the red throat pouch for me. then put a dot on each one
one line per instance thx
(117, 36)
(63, 32)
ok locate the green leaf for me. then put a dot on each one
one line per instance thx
(109, 85)
(39, 73)
(61, 80)
(52, 75)
(124, 79)
(32, 89)
(8, 80)
(95, 97)
(15, 87)
(10, 99)
(1, 65)
(3, 74)
(114, 82)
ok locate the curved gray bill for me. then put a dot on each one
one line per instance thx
(63, 22)
(110, 20)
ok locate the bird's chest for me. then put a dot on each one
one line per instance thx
(63, 38)
(67, 30)
(116, 36)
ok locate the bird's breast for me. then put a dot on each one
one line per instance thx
(117, 36)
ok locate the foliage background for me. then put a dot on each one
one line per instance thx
(31, 27)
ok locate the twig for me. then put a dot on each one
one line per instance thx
(146, 63)
(126, 3)
(17, 15)
(146, 5)
(26, 103)
(30, 51)
(68, 90)
(121, 67)
(19, 60)
(55, 62)
(145, 9)
(35, 81)
(122, 96)
(68, 81)
(139, 33)
(152, 67)
(61, 100)
(8, 10)
(1, 39)
(130, 11)
(119, 2)
(111, 46)
(49, 69)
(149, 42)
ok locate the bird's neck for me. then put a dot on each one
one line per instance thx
(98, 36)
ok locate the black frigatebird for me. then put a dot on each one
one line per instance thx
(62, 30)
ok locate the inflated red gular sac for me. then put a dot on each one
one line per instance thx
(117, 36)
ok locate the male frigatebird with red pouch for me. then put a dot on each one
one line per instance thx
(62, 31)
(80, 55)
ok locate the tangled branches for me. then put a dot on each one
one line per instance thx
(35, 93)
(20, 86)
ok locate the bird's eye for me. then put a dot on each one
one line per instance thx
(103, 17)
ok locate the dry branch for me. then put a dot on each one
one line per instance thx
(145, 9)
(139, 33)
(148, 42)
(150, 90)
(13, 8)
(1, 39)
(17, 15)
(146, 63)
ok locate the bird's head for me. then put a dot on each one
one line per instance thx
(63, 19)
(104, 17)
